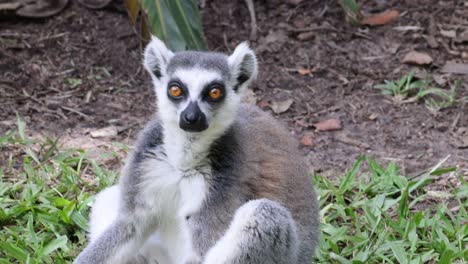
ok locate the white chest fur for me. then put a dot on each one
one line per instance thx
(173, 192)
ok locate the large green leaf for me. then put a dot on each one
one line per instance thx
(186, 15)
(175, 22)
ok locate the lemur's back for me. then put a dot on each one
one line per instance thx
(256, 158)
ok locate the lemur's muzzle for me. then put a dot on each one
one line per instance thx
(192, 119)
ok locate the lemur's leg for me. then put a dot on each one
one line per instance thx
(262, 231)
(105, 211)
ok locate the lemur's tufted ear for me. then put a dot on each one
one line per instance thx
(243, 65)
(157, 56)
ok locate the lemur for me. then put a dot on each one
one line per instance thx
(210, 180)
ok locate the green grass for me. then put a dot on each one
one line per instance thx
(43, 200)
(367, 217)
(352, 11)
(371, 218)
(408, 89)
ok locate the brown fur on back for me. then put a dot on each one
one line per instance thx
(277, 170)
(257, 158)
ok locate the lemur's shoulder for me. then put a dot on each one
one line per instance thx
(152, 133)
(259, 127)
(272, 162)
(274, 168)
(149, 138)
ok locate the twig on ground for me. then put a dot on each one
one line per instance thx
(253, 20)
(59, 35)
(74, 111)
(353, 142)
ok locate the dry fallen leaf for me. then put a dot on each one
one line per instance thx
(307, 140)
(441, 79)
(448, 33)
(344, 138)
(407, 28)
(465, 141)
(249, 97)
(439, 194)
(382, 18)
(463, 37)
(373, 116)
(306, 35)
(304, 71)
(263, 103)
(328, 125)
(299, 23)
(418, 58)
(281, 106)
(9, 6)
(275, 39)
(464, 55)
(302, 123)
(110, 131)
(451, 67)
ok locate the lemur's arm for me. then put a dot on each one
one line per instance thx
(114, 244)
(122, 239)
(262, 231)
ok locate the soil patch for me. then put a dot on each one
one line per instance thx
(81, 70)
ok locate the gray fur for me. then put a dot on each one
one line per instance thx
(192, 59)
(236, 164)
(233, 165)
(268, 236)
(258, 189)
(149, 139)
(108, 244)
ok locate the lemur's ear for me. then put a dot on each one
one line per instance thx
(157, 56)
(243, 65)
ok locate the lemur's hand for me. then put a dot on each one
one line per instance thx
(108, 248)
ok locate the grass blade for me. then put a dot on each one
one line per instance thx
(14, 251)
(350, 176)
(60, 242)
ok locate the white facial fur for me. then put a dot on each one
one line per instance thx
(243, 59)
(240, 70)
(196, 79)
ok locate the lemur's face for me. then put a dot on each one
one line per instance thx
(199, 91)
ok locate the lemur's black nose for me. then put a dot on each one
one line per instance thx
(192, 119)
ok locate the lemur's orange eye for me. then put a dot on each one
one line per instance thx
(215, 93)
(175, 91)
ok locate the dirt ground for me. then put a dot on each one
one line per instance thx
(81, 71)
